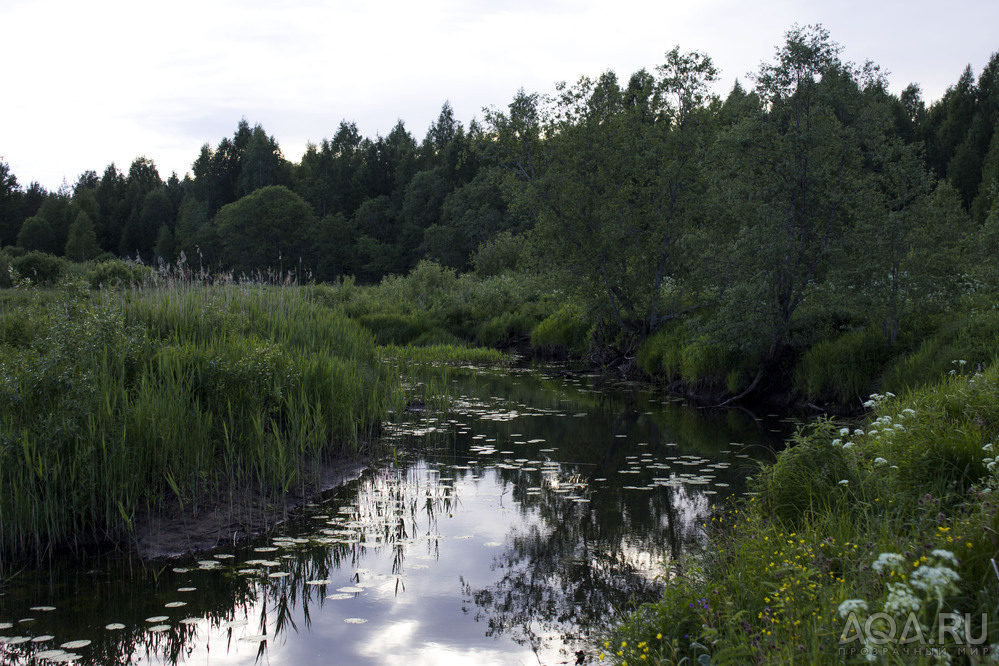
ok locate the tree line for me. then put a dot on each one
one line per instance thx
(651, 197)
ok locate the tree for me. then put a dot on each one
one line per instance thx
(788, 181)
(81, 243)
(11, 204)
(110, 195)
(164, 248)
(262, 164)
(616, 182)
(898, 254)
(36, 235)
(143, 225)
(272, 228)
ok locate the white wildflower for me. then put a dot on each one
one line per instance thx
(880, 461)
(844, 432)
(848, 445)
(944, 556)
(844, 482)
(837, 442)
(937, 581)
(852, 606)
(987, 447)
(901, 600)
(858, 432)
(888, 562)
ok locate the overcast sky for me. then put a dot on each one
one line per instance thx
(90, 83)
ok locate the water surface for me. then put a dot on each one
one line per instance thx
(508, 531)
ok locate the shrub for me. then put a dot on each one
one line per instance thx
(973, 338)
(40, 268)
(393, 329)
(116, 274)
(660, 354)
(843, 369)
(507, 329)
(6, 265)
(565, 330)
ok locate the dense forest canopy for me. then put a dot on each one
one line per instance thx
(648, 197)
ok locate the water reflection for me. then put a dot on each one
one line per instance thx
(505, 532)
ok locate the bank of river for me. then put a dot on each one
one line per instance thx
(507, 531)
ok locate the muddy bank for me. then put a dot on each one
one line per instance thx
(173, 533)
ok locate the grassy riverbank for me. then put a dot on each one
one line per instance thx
(895, 515)
(119, 402)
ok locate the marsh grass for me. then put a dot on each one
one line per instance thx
(126, 401)
(916, 479)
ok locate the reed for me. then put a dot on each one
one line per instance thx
(121, 402)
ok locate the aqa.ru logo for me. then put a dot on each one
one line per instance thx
(880, 634)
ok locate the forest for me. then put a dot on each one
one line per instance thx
(810, 236)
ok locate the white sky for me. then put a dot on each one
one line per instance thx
(88, 83)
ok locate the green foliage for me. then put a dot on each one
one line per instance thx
(506, 329)
(6, 268)
(807, 479)
(40, 268)
(36, 235)
(271, 228)
(81, 244)
(393, 329)
(971, 337)
(121, 402)
(843, 369)
(116, 274)
(660, 355)
(566, 330)
(503, 252)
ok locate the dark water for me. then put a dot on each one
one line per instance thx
(507, 533)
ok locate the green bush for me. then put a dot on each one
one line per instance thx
(973, 338)
(814, 476)
(40, 268)
(393, 329)
(660, 354)
(6, 265)
(844, 369)
(566, 330)
(509, 328)
(115, 274)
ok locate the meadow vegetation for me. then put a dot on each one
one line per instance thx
(895, 514)
(121, 401)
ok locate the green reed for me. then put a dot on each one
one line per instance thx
(118, 403)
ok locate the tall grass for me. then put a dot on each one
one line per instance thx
(121, 402)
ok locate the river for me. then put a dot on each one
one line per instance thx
(507, 531)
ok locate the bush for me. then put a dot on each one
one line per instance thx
(843, 369)
(116, 274)
(565, 330)
(816, 475)
(659, 355)
(973, 338)
(509, 328)
(393, 329)
(6, 264)
(40, 268)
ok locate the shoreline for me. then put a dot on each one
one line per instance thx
(173, 534)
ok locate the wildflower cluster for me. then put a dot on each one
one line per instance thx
(930, 579)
